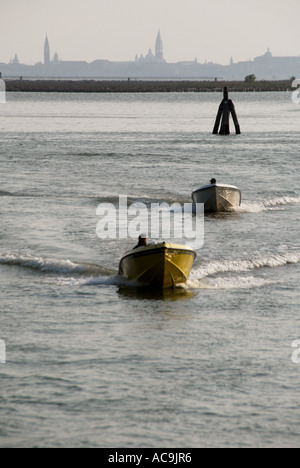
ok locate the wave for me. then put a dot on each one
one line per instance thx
(76, 274)
(111, 280)
(236, 282)
(206, 276)
(267, 205)
(53, 266)
(4, 193)
(147, 200)
(238, 266)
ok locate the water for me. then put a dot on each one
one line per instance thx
(93, 362)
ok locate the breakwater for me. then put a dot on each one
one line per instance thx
(139, 86)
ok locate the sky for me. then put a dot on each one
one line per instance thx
(211, 30)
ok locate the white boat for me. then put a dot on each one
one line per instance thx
(218, 197)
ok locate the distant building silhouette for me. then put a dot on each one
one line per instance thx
(55, 58)
(159, 53)
(15, 60)
(46, 52)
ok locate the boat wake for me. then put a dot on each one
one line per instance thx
(4, 193)
(215, 274)
(211, 274)
(267, 205)
(67, 272)
(47, 265)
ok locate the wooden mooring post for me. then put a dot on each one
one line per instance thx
(226, 108)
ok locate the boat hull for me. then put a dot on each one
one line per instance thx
(159, 266)
(218, 198)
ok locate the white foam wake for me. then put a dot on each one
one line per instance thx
(267, 205)
(236, 282)
(52, 266)
(238, 266)
(209, 275)
(113, 280)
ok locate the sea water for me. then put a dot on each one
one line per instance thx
(89, 360)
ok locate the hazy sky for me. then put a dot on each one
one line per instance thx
(212, 30)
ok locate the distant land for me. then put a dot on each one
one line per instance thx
(140, 86)
(152, 66)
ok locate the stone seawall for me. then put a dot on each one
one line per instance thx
(136, 86)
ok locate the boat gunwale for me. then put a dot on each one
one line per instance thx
(205, 187)
(158, 250)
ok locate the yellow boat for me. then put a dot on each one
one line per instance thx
(159, 266)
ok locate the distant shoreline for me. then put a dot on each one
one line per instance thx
(139, 86)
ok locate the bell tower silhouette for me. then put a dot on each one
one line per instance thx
(46, 52)
(159, 47)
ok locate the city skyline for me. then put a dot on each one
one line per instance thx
(117, 31)
(153, 65)
(49, 57)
